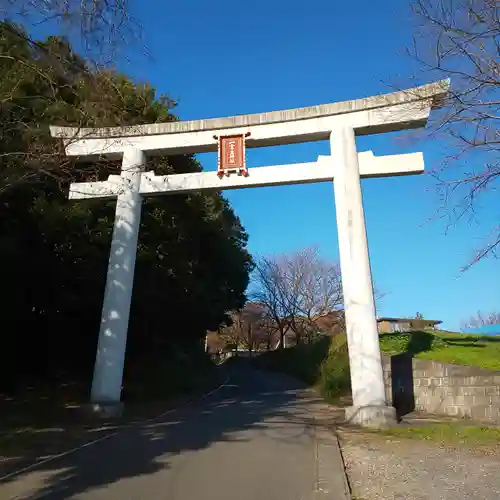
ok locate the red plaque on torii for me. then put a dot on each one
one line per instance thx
(232, 154)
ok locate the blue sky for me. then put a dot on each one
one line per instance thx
(223, 58)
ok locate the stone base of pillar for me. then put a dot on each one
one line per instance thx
(102, 410)
(376, 417)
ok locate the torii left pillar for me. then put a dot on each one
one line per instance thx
(108, 369)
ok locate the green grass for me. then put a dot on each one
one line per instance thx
(448, 433)
(446, 347)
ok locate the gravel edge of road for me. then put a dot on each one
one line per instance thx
(330, 485)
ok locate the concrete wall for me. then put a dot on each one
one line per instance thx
(439, 388)
(384, 327)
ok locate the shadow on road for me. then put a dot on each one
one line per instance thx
(251, 401)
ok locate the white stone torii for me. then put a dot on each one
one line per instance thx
(338, 122)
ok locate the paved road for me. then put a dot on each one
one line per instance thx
(254, 439)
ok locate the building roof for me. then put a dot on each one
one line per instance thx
(400, 320)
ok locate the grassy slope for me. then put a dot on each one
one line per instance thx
(326, 367)
(447, 347)
(323, 364)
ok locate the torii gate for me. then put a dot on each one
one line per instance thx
(340, 123)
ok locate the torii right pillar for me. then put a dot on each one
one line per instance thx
(370, 408)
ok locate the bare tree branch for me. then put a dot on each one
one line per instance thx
(247, 328)
(297, 291)
(482, 319)
(98, 27)
(316, 287)
(461, 39)
(270, 288)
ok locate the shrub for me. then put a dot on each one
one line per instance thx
(323, 364)
(334, 375)
(182, 369)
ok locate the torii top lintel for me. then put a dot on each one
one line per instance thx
(399, 110)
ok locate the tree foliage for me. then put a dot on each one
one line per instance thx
(192, 264)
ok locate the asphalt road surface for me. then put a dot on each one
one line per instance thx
(253, 439)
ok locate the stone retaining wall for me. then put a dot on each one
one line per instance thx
(439, 388)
